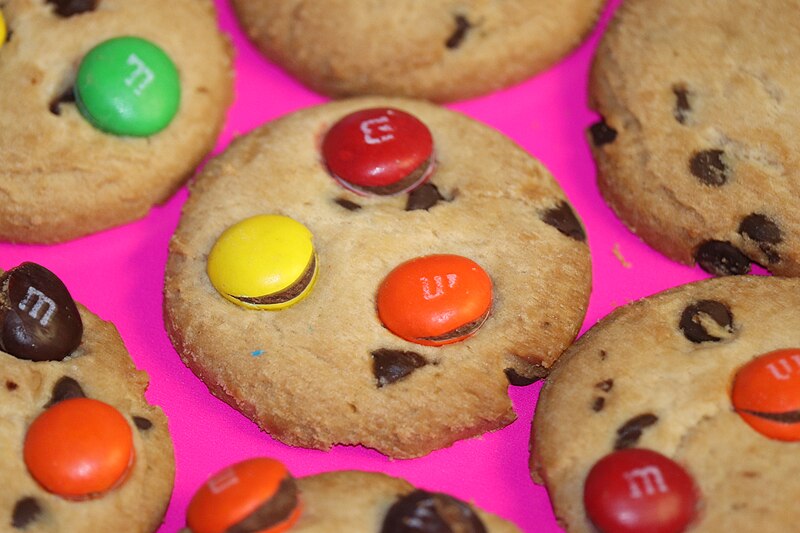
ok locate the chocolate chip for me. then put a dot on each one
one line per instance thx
(564, 220)
(605, 385)
(67, 97)
(347, 204)
(709, 168)
(25, 512)
(630, 432)
(602, 133)
(142, 423)
(682, 107)
(270, 513)
(518, 380)
(763, 231)
(721, 258)
(67, 8)
(424, 197)
(457, 37)
(694, 327)
(390, 366)
(598, 404)
(10, 385)
(427, 512)
(39, 319)
(65, 389)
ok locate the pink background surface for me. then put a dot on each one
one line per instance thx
(118, 274)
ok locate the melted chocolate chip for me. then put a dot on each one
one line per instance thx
(721, 258)
(427, 512)
(38, 317)
(270, 513)
(347, 204)
(25, 512)
(598, 404)
(763, 231)
(11, 385)
(424, 197)
(630, 432)
(602, 133)
(518, 380)
(790, 417)
(67, 8)
(605, 385)
(709, 168)
(457, 37)
(691, 323)
(65, 389)
(67, 97)
(564, 220)
(390, 366)
(682, 107)
(142, 423)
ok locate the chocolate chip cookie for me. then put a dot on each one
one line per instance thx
(83, 451)
(260, 494)
(698, 118)
(108, 106)
(685, 401)
(441, 50)
(285, 284)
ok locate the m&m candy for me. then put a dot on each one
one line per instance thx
(435, 300)
(3, 30)
(636, 491)
(264, 262)
(79, 448)
(766, 394)
(379, 151)
(254, 495)
(128, 86)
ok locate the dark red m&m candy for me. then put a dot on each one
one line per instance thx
(639, 491)
(380, 151)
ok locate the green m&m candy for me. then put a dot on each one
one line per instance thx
(128, 86)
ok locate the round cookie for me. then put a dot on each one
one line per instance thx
(325, 370)
(657, 376)
(245, 493)
(440, 50)
(82, 449)
(699, 115)
(62, 177)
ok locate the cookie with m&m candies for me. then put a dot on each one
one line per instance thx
(428, 260)
(80, 442)
(703, 378)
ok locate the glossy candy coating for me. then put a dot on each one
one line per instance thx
(79, 448)
(766, 394)
(435, 299)
(128, 86)
(380, 151)
(264, 262)
(636, 491)
(238, 492)
(3, 30)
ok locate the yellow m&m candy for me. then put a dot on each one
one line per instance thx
(3, 33)
(264, 262)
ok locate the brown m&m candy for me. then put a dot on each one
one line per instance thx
(766, 394)
(380, 151)
(39, 318)
(257, 495)
(435, 300)
(79, 448)
(427, 512)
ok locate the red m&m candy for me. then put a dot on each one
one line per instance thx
(766, 394)
(639, 491)
(254, 495)
(435, 300)
(379, 151)
(79, 448)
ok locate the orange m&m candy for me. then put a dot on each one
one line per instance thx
(435, 300)
(766, 394)
(257, 495)
(79, 448)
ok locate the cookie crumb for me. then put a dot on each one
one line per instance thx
(618, 254)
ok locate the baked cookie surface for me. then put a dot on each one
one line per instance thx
(670, 374)
(325, 370)
(701, 111)
(46, 490)
(60, 176)
(439, 50)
